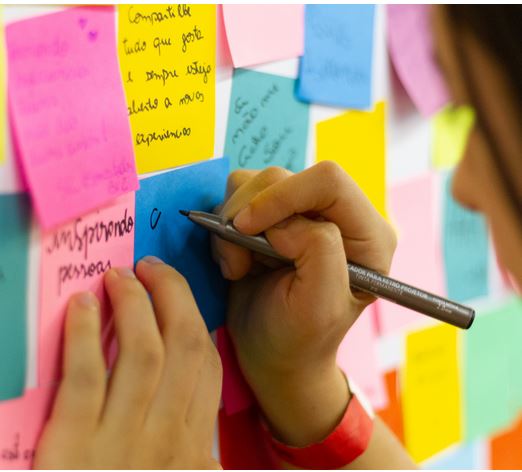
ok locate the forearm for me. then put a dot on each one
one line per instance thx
(304, 411)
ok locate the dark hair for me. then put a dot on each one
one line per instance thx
(498, 28)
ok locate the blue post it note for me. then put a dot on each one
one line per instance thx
(267, 126)
(162, 232)
(465, 247)
(14, 246)
(336, 67)
(463, 457)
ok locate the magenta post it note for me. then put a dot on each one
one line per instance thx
(411, 48)
(264, 33)
(21, 424)
(74, 258)
(68, 112)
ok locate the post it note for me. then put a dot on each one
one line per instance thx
(74, 258)
(514, 307)
(359, 343)
(391, 414)
(418, 257)
(411, 48)
(168, 56)
(336, 67)
(451, 128)
(267, 126)
(465, 246)
(14, 245)
(68, 112)
(162, 232)
(355, 140)
(264, 33)
(504, 448)
(431, 391)
(22, 422)
(462, 457)
(487, 374)
(3, 108)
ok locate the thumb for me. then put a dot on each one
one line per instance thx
(316, 247)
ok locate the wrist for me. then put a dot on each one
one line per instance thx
(302, 407)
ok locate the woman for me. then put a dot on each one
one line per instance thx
(159, 407)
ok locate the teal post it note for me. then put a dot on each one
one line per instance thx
(266, 126)
(465, 247)
(336, 67)
(14, 245)
(162, 232)
(487, 354)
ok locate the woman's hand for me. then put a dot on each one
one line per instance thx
(159, 406)
(287, 323)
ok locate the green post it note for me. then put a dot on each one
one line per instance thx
(487, 353)
(451, 128)
(14, 244)
(266, 126)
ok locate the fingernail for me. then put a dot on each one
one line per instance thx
(125, 272)
(152, 260)
(86, 299)
(225, 269)
(243, 218)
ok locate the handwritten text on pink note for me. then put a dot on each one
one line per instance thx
(74, 258)
(68, 112)
(411, 47)
(418, 257)
(357, 357)
(264, 33)
(21, 423)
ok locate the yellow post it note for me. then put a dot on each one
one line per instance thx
(356, 141)
(451, 128)
(3, 108)
(167, 59)
(431, 392)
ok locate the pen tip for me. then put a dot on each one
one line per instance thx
(184, 212)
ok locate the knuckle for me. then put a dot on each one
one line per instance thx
(332, 171)
(83, 376)
(214, 362)
(193, 336)
(326, 234)
(147, 352)
(272, 175)
(236, 179)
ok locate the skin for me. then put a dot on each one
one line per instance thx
(286, 323)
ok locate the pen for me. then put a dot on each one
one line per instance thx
(361, 278)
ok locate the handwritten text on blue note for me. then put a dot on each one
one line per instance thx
(465, 242)
(14, 241)
(267, 126)
(336, 68)
(161, 231)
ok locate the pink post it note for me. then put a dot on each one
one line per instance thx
(223, 58)
(264, 33)
(357, 357)
(411, 48)
(418, 257)
(74, 258)
(21, 423)
(68, 112)
(236, 393)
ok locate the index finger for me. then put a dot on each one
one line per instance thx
(324, 188)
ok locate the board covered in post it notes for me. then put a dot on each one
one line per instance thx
(68, 112)
(161, 231)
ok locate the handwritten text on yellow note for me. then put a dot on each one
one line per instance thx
(355, 140)
(167, 59)
(431, 391)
